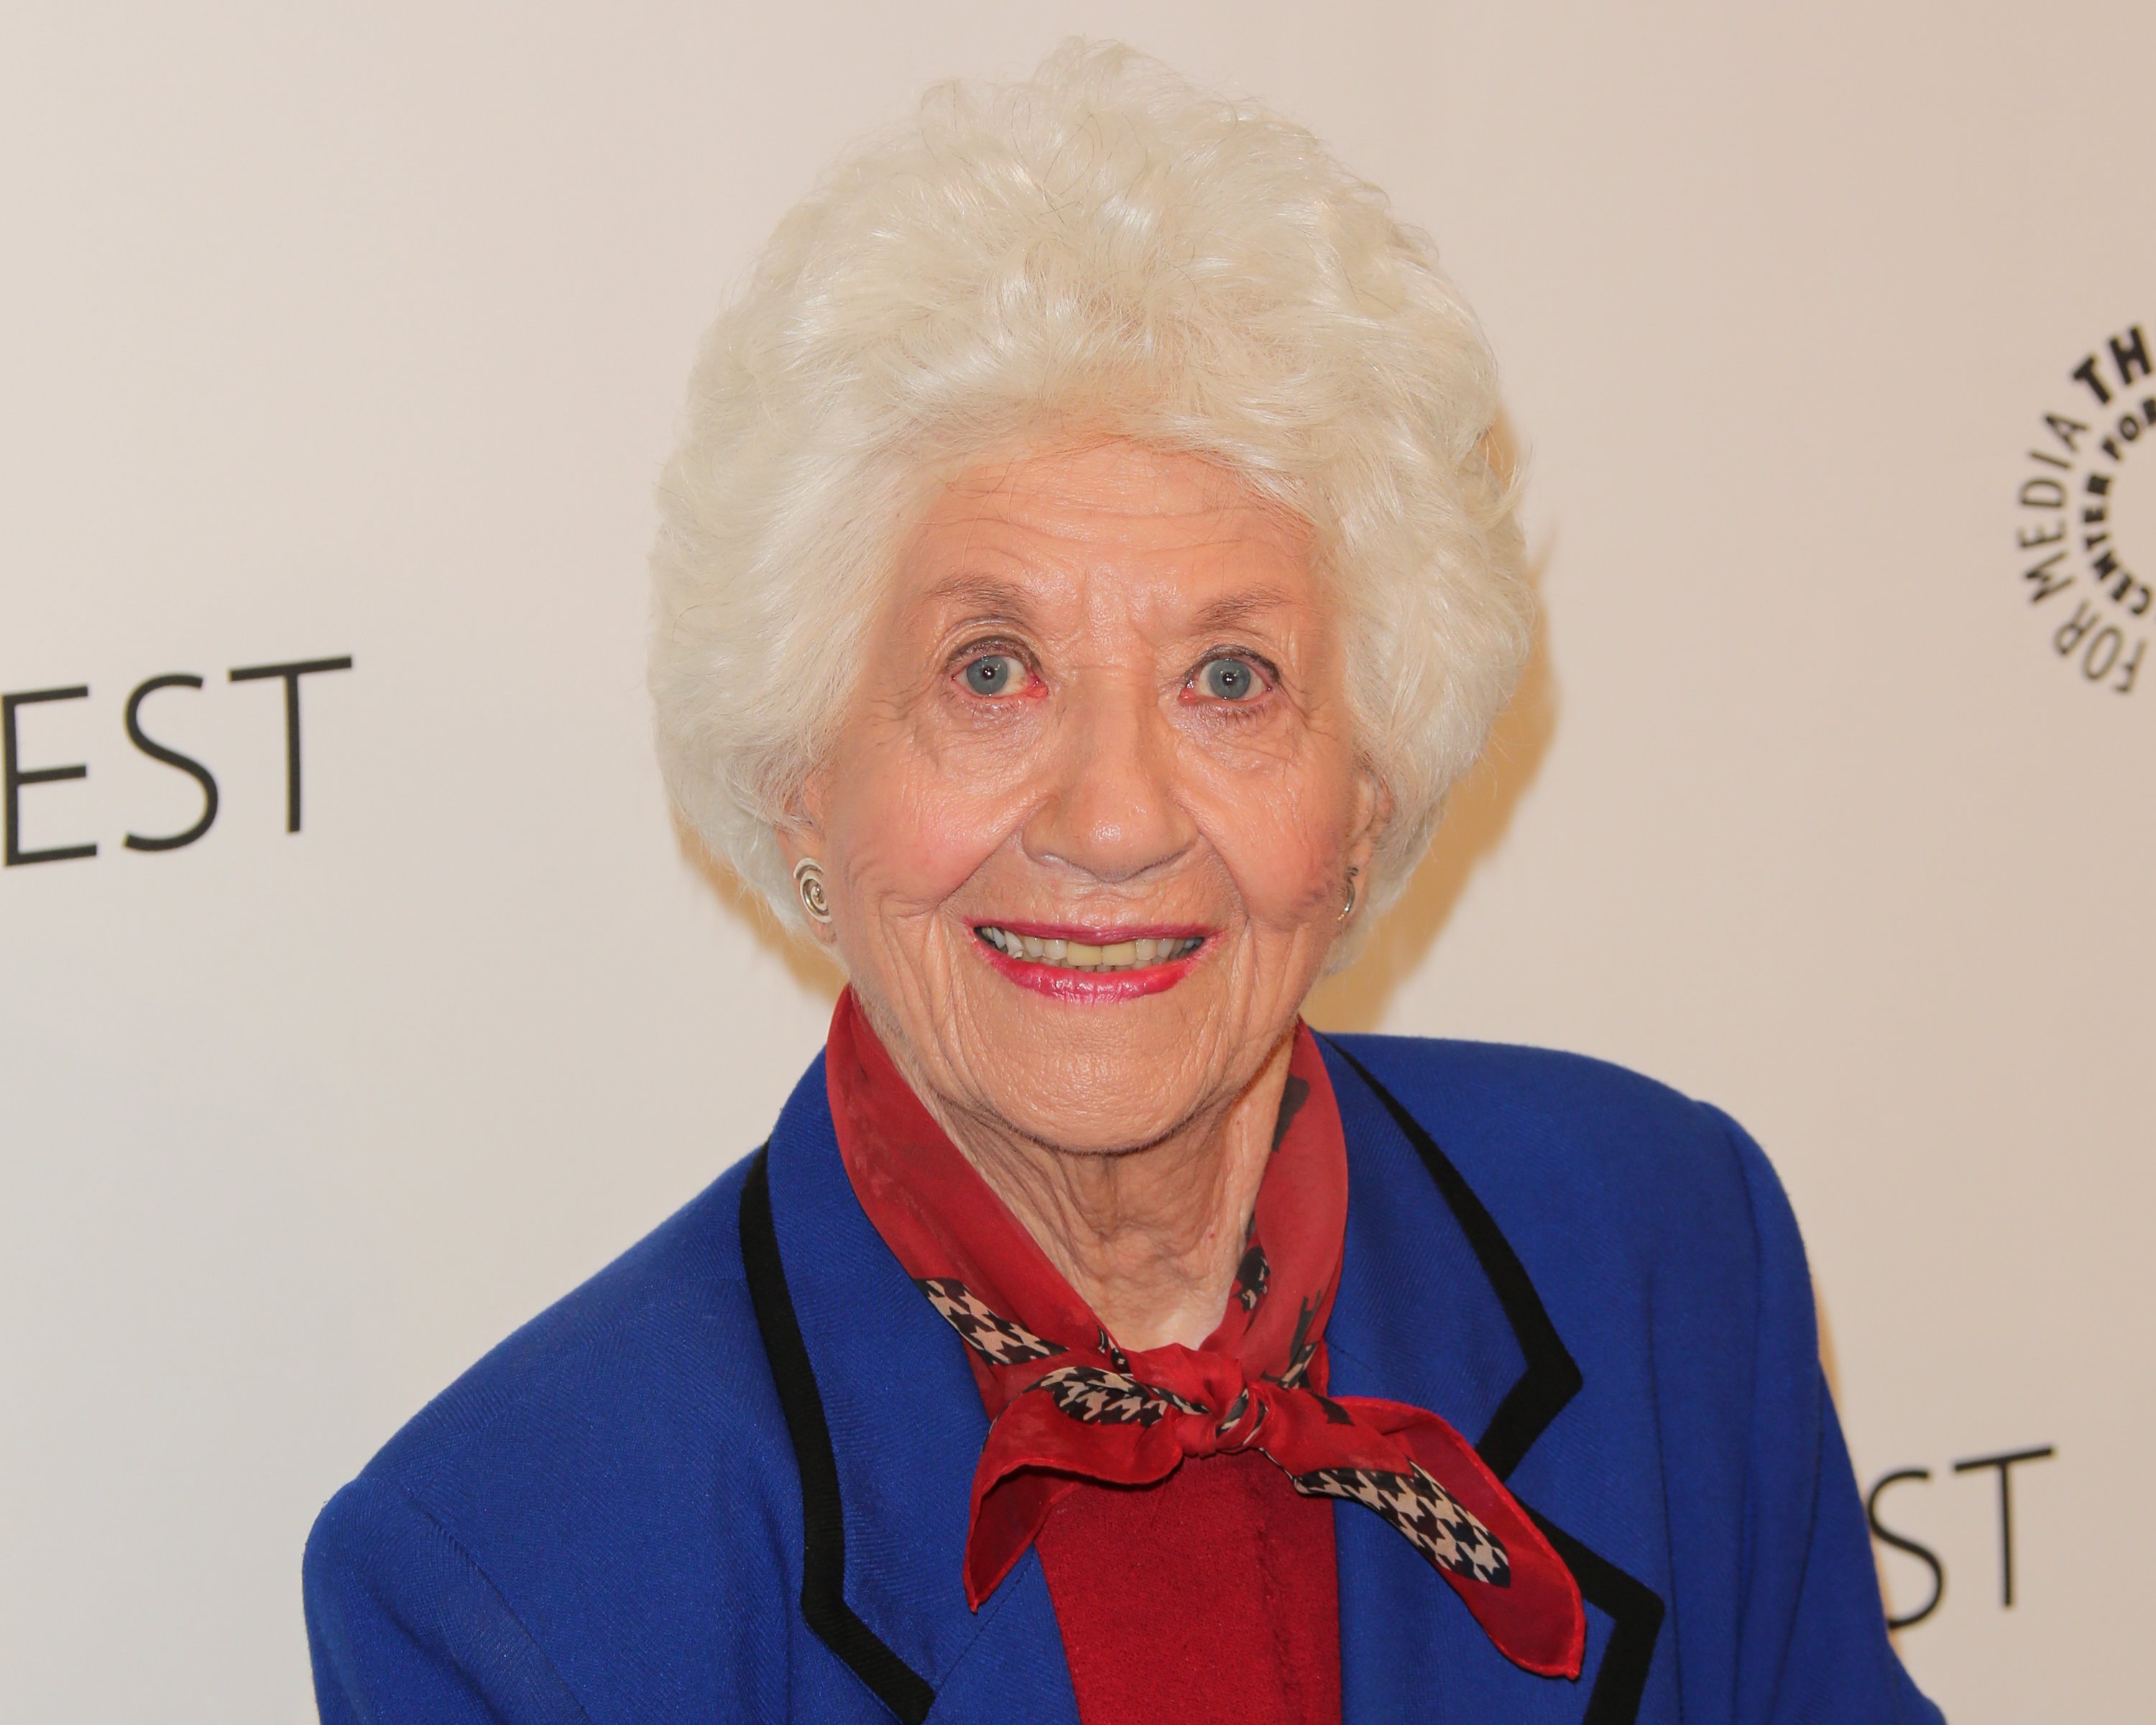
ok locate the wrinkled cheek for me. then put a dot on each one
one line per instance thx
(1284, 845)
(909, 837)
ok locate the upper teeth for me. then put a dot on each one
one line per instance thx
(1078, 955)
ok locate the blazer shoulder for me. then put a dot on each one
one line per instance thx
(668, 1320)
(598, 1506)
(1570, 1139)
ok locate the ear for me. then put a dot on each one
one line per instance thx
(1372, 815)
(800, 829)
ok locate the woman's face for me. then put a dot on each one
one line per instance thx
(1088, 825)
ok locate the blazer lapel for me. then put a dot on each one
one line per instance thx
(886, 1481)
(1435, 1308)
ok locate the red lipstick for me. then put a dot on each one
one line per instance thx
(1063, 981)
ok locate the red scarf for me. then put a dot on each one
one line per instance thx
(1067, 1404)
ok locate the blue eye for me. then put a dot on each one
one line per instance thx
(994, 674)
(1228, 680)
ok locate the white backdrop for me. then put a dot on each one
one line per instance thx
(362, 335)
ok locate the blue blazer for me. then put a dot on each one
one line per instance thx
(726, 1478)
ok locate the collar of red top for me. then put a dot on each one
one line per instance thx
(1067, 1405)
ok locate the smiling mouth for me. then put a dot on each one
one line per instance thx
(1059, 954)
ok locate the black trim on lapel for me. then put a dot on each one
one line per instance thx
(1552, 1378)
(1635, 1615)
(894, 1682)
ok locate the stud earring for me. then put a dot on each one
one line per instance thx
(1348, 909)
(808, 882)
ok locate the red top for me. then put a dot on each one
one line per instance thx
(1177, 1496)
(1210, 1598)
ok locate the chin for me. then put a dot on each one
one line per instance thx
(1098, 1077)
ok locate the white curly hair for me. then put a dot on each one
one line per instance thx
(1101, 249)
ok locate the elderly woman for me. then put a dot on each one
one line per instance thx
(1082, 576)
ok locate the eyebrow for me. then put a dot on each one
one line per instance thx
(1236, 608)
(985, 596)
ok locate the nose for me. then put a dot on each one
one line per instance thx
(1109, 808)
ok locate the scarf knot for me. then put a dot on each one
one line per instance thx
(1201, 1400)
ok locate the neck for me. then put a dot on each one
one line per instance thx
(1149, 1238)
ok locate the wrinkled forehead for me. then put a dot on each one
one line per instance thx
(1108, 531)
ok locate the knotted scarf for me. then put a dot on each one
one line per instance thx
(1067, 1404)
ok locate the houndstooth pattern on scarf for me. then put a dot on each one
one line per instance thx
(1441, 1528)
(989, 1334)
(1099, 1397)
